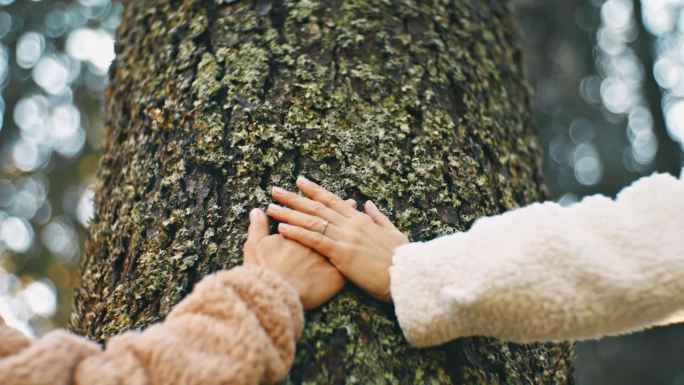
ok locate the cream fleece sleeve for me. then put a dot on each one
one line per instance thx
(546, 272)
(236, 327)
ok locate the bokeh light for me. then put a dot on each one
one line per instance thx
(54, 58)
(609, 87)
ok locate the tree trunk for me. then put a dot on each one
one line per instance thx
(418, 105)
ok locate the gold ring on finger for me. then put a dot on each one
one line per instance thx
(325, 227)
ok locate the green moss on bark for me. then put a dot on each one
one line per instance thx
(418, 105)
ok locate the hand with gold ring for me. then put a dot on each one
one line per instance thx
(360, 245)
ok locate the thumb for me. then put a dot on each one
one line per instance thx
(258, 226)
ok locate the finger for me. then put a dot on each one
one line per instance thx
(351, 203)
(378, 217)
(306, 205)
(306, 221)
(319, 194)
(320, 243)
(258, 226)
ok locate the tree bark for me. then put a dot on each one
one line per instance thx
(418, 105)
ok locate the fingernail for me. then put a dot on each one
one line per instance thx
(277, 191)
(254, 215)
(274, 208)
(303, 179)
(371, 204)
(283, 227)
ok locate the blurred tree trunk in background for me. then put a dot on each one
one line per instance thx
(418, 105)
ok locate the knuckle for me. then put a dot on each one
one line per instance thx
(329, 200)
(361, 220)
(357, 238)
(311, 223)
(317, 240)
(317, 207)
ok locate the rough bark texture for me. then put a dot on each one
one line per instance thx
(418, 105)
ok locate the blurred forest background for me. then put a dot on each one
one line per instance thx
(609, 82)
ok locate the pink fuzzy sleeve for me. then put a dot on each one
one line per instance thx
(236, 327)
